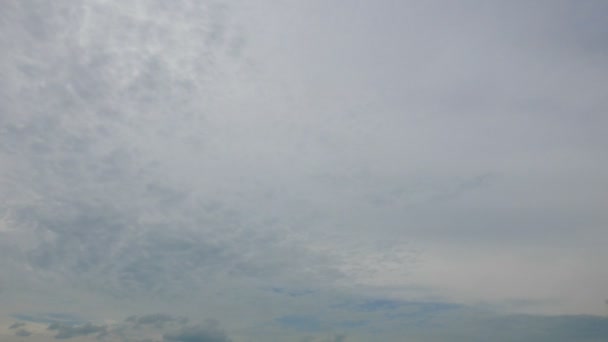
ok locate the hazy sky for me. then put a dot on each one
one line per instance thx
(303, 170)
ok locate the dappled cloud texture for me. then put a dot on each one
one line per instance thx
(302, 170)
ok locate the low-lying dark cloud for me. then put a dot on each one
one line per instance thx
(334, 338)
(47, 318)
(16, 325)
(208, 332)
(68, 331)
(436, 321)
(22, 333)
(157, 320)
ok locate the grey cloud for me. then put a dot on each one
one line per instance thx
(194, 152)
(122, 172)
(50, 318)
(462, 323)
(22, 333)
(16, 325)
(531, 328)
(334, 338)
(208, 332)
(157, 320)
(70, 331)
(445, 321)
(339, 338)
(140, 328)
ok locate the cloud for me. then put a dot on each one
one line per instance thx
(16, 325)
(22, 333)
(302, 322)
(208, 332)
(441, 321)
(339, 338)
(261, 159)
(157, 320)
(69, 331)
(334, 338)
(291, 292)
(50, 318)
(529, 328)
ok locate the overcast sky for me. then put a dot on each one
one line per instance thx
(303, 170)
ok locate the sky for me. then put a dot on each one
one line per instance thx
(303, 171)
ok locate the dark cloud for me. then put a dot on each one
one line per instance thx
(208, 332)
(334, 338)
(157, 320)
(291, 292)
(69, 331)
(22, 333)
(449, 322)
(548, 328)
(407, 311)
(50, 318)
(302, 322)
(16, 325)
(339, 338)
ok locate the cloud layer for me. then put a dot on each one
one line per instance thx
(303, 171)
